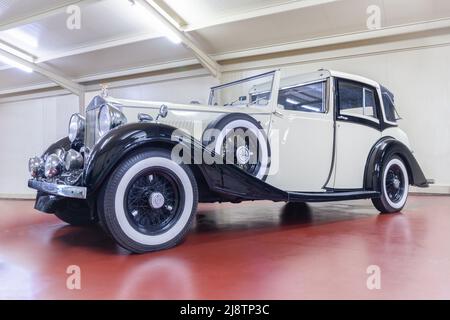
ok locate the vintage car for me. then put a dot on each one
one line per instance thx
(321, 136)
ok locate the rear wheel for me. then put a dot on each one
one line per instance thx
(149, 202)
(394, 186)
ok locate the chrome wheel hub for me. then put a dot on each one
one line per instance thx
(396, 183)
(242, 155)
(156, 200)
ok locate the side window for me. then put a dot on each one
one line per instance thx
(357, 99)
(306, 98)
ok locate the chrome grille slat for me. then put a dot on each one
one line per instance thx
(91, 127)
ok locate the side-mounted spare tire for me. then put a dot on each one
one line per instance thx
(241, 140)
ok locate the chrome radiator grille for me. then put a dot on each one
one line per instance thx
(91, 136)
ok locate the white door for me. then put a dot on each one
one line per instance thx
(357, 130)
(302, 139)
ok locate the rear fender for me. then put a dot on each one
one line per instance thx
(382, 150)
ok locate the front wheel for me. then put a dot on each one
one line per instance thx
(394, 186)
(149, 202)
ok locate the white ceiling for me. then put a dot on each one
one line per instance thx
(116, 36)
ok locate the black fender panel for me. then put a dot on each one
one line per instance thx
(62, 143)
(118, 143)
(383, 149)
(235, 184)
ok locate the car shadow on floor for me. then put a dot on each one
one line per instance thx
(92, 238)
(234, 221)
(273, 217)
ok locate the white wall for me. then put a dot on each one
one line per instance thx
(27, 128)
(418, 74)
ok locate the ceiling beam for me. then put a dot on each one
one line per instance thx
(59, 79)
(339, 39)
(265, 11)
(179, 23)
(136, 76)
(209, 63)
(42, 14)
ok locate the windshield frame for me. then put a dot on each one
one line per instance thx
(275, 80)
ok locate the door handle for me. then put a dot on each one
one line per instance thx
(278, 114)
(342, 118)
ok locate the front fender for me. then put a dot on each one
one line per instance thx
(118, 143)
(383, 149)
(63, 143)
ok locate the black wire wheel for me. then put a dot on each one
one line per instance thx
(394, 186)
(153, 200)
(149, 202)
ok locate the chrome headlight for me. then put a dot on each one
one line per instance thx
(53, 166)
(77, 124)
(109, 118)
(36, 166)
(73, 160)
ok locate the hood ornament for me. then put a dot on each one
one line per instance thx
(104, 90)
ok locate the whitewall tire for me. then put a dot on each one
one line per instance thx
(149, 201)
(394, 186)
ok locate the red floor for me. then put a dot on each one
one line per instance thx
(255, 250)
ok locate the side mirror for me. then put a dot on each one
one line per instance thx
(143, 117)
(163, 111)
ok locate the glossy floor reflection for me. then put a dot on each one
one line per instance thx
(259, 250)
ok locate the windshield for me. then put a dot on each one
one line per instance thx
(255, 91)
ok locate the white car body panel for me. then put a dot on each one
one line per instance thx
(305, 151)
(353, 145)
(192, 118)
(398, 134)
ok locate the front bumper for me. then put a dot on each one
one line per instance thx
(66, 191)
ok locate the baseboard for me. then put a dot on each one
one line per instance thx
(433, 189)
(18, 196)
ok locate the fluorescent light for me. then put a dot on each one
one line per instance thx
(292, 101)
(17, 35)
(15, 64)
(153, 22)
(16, 52)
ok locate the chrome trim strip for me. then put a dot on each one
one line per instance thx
(58, 189)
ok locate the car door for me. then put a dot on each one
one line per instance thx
(302, 138)
(357, 130)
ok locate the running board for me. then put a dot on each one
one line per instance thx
(331, 196)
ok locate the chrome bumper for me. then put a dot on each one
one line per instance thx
(58, 189)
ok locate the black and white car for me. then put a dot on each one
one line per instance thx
(322, 136)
